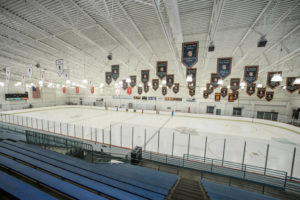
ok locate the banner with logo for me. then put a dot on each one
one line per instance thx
(189, 55)
(170, 80)
(192, 92)
(230, 97)
(290, 86)
(7, 73)
(42, 75)
(224, 67)
(217, 97)
(66, 74)
(29, 70)
(191, 85)
(176, 88)
(140, 90)
(132, 81)
(209, 88)
(250, 74)
(92, 89)
(115, 69)
(251, 89)
(108, 77)
(23, 79)
(155, 84)
(64, 90)
(235, 95)
(235, 84)
(164, 90)
(124, 84)
(214, 78)
(261, 92)
(59, 66)
(224, 91)
(273, 84)
(161, 69)
(205, 94)
(269, 95)
(145, 76)
(77, 90)
(146, 88)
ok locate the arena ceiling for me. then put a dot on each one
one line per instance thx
(139, 33)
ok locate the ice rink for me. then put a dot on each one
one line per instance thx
(95, 123)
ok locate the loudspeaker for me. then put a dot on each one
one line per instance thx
(262, 42)
(211, 48)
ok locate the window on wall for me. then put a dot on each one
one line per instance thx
(210, 109)
(267, 115)
(237, 112)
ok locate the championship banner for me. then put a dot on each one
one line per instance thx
(234, 84)
(64, 90)
(146, 88)
(7, 73)
(290, 86)
(224, 92)
(140, 90)
(230, 97)
(124, 84)
(251, 89)
(115, 69)
(161, 69)
(176, 88)
(29, 70)
(214, 78)
(261, 92)
(191, 85)
(23, 79)
(217, 97)
(250, 74)
(129, 90)
(60, 66)
(92, 90)
(170, 80)
(192, 92)
(235, 95)
(209, 88)
(155, 83)
(132, 81)
(272, 84)
(164, 90)
(224, 67)
(77, 90)
(42, 74)
(67, 74)
(108, 77)
(205, 94)
(269, 96)
(189, 55)
(192, 72)
(145, 76)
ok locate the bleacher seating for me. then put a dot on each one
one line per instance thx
(115, 181)
(217, 191)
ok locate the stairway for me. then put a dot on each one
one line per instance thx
(187, 189)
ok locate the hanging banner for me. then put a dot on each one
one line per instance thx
(23, 79)
(273, 84)
(29, 70)
(161, 69)
(129, 90)
(224, 92)
(64, 90)
(209, 88)
(170, 80)
(251, 89)
(66, 74)
(140, 90)
(224, 67)
(42, 73)
(290, 86)
(192, 92)
(60, 66)
(205, 94)
(230, 97)
(214, 78)
(155, 83)
(235, 95)
(189, 55)
(217, 97)
(145, 76)
(191, 72)
(124, 84)
(269, 95)
(132, 81)
(7, 73)
(108, 77)
(164, 90)
(92, 90)
(261, 92)
(234, 84)
(250, 74)
(146, 88)
(36, 93)
(77, 90)
(176, 88)
(191, 85)
(115, 69)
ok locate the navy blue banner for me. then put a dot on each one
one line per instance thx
(261, 92)
(224, 67)
(155, 84)
(235, 84)
(192, 92)
(140, 90)
(270, 83)
(132, 81)
(214, 78)
(251, 88)
(108, 77)
(290, 86)
(164, 90)
(250, 74)
(269, 96)
(189, 55)
(161, 69)
(145, 76)
(124, 85)
(170, 80)
(115, 69)
(176, 88)
(224, 92)
(146, 88)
